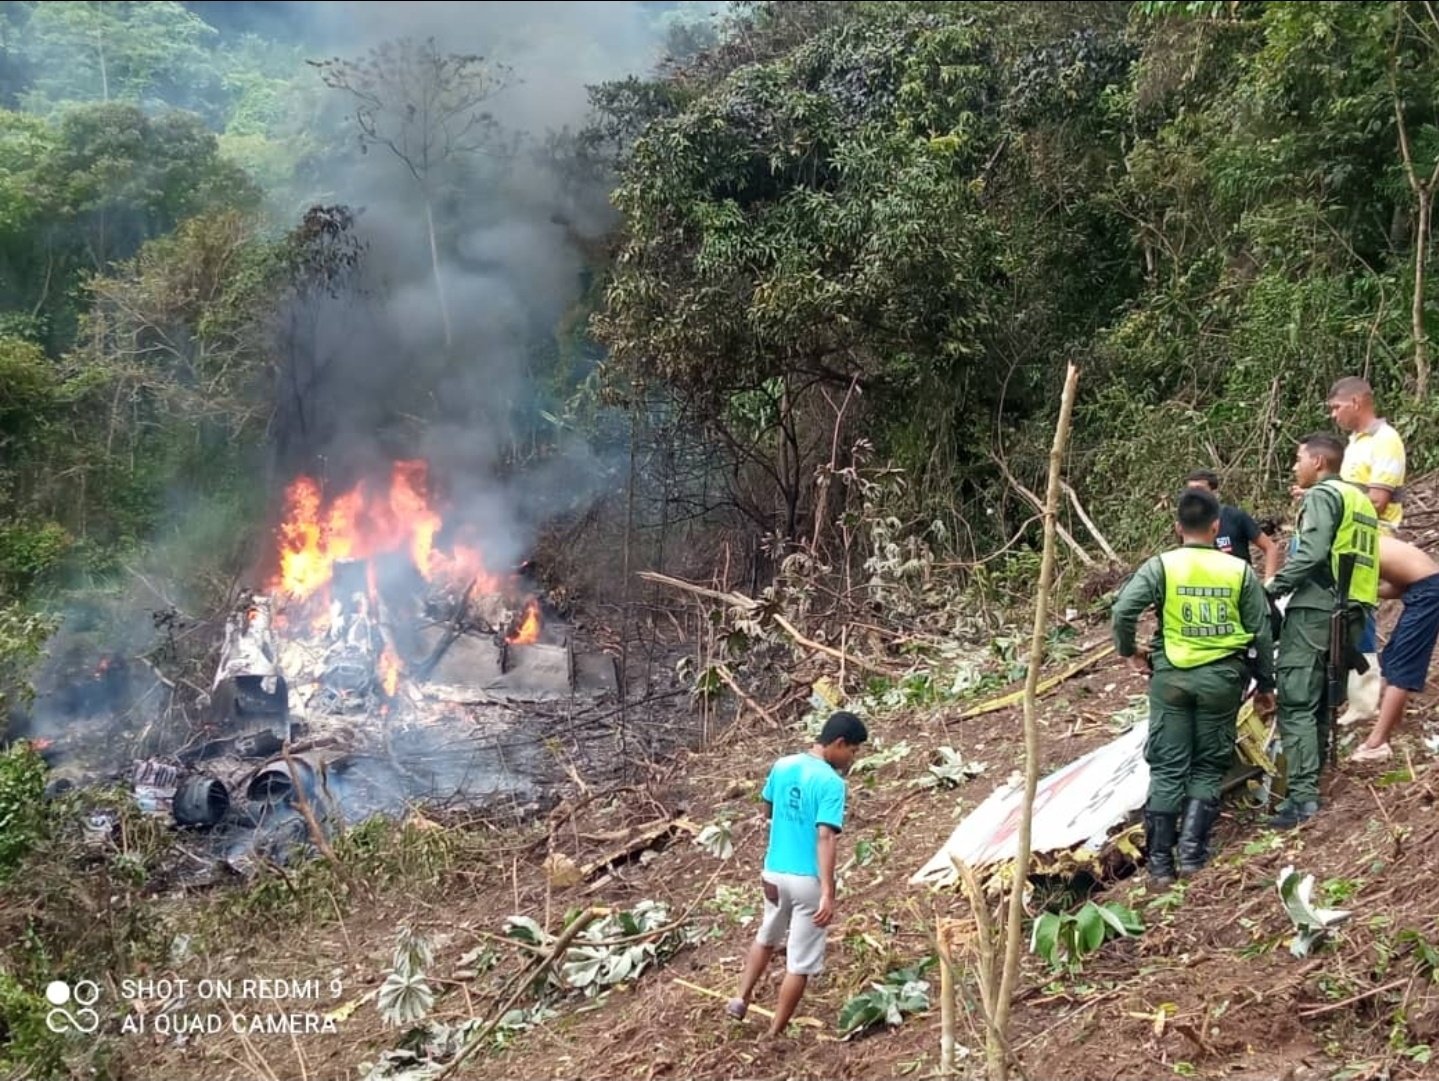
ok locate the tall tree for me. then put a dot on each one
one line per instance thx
(120, 51)
(426, 108)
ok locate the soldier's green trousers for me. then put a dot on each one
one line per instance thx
(1192, 716)
(1301, 680)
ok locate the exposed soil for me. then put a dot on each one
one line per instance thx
(1210, 989)
(1235, 1002)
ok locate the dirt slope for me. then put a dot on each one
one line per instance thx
(1209, 990)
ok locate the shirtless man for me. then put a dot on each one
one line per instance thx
(1404, 572)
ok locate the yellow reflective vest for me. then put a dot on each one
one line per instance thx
(1201, 621)
(1357, 532)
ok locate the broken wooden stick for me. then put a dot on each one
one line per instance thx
(317, 836)
(724, 674)
(1045, 686)
(946, 998)
(997, 1050)
(805, 1022)
(527, 977)
(1088, 522)
(745, 604)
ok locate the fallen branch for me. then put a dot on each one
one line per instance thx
(1088, 523)
(638, 843)
(839, 655)
(317, 836)
(724, 674)
(805, 1022)
(158, 674)
(739, 600)
(747, 605)
(527, 977)
(1038, 504)
(1044, 687)
(1331, 1007)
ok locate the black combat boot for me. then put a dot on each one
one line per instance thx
(1159, 839)
(1199, 818)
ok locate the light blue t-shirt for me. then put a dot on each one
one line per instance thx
(806, 793)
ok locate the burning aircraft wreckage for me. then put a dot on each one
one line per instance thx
(379, 669)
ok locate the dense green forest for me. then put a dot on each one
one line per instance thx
(839, 252)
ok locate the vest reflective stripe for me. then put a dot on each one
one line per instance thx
(1358, 532)
(1201, 606)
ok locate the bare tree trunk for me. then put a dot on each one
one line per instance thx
(1424, 202)
(100, 45)
(435, 264)
(997, 1046)
(1425, 196)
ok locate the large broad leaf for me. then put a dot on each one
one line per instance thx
(403, 1000)
(1045, 938)
(621, 966)
(1090, 925)
(1311, 923)
(1125, 921)
(914, 996)
(583, 967)
(525, 930)
(864, 1010)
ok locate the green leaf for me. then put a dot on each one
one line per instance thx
(864, 1010)
(524, 929)
(1045, 938)
(585, 968)
(1125, 921)
(1090, 926)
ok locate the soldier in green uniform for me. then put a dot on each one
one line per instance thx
(1335, 518)
(1211, 610)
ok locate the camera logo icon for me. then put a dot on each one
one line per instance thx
(84, 994)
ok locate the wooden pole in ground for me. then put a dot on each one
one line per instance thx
(997, 1045)
(946, 998)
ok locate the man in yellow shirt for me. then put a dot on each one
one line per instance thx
(1374, 458)
(1374, 461)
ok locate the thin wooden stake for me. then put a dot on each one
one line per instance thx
(998, 1044)
(946, 999)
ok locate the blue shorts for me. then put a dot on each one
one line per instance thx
(1370, 642)
(1405, 663)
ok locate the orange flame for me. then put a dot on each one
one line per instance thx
(529, 632)
(362, 524)
(389, 671)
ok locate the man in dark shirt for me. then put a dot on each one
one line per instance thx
(1237, 529)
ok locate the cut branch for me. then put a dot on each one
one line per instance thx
(529, 976)
(745, 604)
(1038, 504)
(1089, 524)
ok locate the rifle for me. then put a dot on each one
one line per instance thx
(1341, 658)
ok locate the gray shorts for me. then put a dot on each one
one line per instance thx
(793, 916)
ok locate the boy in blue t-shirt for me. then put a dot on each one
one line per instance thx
(804, 798)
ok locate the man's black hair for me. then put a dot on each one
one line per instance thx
(843, 725)
(1208, 476)
(1197, 510)
(1329, 447)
